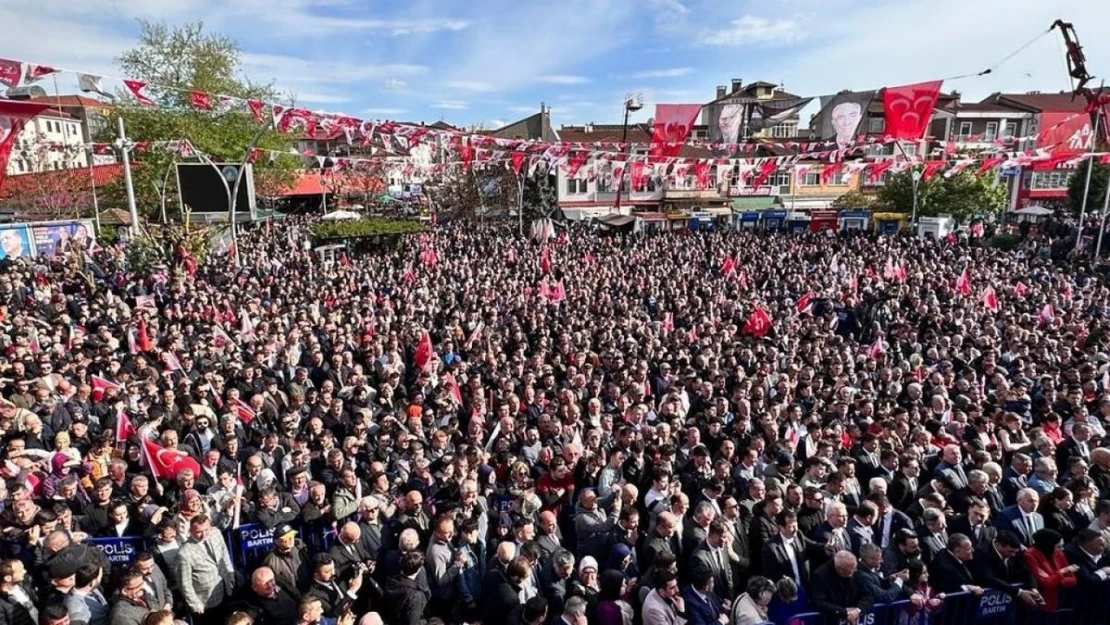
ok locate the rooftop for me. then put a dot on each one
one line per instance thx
(72, 101)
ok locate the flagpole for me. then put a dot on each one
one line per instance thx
(1086, 189)
(124, 151)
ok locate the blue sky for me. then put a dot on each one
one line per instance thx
(493, 61)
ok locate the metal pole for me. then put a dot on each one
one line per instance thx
(92, 182)
(1086, 194)
(624, 140)
(1102, 220)
(124, 149)
(233, 194)
(913, 216)
(520, 202)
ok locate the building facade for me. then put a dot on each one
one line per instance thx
(49, 142)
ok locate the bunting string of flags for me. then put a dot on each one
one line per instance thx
(1062, 144)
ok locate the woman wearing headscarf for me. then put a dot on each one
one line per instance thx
(1045, 559)
(586, 585)
(612, 609)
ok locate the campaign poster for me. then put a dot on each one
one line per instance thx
(50, 239)
(15, 242)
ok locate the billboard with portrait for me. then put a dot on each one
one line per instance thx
(50, 239)
(15, 242)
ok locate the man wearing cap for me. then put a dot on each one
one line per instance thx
(292, 570)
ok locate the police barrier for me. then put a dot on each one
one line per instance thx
(119, 551)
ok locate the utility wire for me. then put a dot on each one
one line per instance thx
(1004, 59)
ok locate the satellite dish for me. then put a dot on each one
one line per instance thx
(651, 121)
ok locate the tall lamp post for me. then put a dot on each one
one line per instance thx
(632, 102)
(916, 176)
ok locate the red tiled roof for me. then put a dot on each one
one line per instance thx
(29, 183)
(312, 183)
(73, 100)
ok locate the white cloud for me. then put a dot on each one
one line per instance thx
(564, 79)
(321, 98)
(383, 111)
(477, 86)
(749, 30)
(457, 105)
(495, 124)
(394, 84)
(672, 72)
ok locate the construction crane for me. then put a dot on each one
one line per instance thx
(1077, 68)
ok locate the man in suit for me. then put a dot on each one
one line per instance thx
(695, 532)
(978, 487)
(833, 531)
(711, 557)
(888, 522)
(933, 534)
(903, 489)
(905, 548)
(663, 604)
(348, 550)
(19, 603)
(1022, 518)
(702, 601)
(660, 539)
(332, 593)
(1088, 552)
(867, 457)
(999, 566)
(974, 524)
(205, 573)
(950, 467)
(270, 605)
(837, 592)
(950, 570)
(881, 588)
(1075, 445)
(1015, 477)
(788, 553)
(159, 596)
(859, 527)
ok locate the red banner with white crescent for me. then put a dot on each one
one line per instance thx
(908, 109)
(672, 125)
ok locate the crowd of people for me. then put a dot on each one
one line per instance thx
(469, 426)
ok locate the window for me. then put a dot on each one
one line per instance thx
(19, 165)
(575, 185)
(875, 125)
(784, 131)
(992, 131)
(1009, 129)
(781, 180)
(965, 130)
(909, 148)
(1049, 180)
(812, 179)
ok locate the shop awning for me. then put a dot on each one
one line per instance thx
(741, 204)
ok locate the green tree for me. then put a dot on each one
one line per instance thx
(967, 194)
(853, 200)
(173, 61)
(1078, 182)
(961, 196)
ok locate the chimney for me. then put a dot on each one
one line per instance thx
(721, 90)
(736, 84)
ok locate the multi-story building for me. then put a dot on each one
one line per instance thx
(743, 96)
(48, 142)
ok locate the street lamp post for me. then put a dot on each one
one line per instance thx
(124, 147)
(916, 176)
(632, 102)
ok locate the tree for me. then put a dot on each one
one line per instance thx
(961, 196)
(853, 200)
(173, 61)
(59, 185)
(1078, 182)
(456, 193)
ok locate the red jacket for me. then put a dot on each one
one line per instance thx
(1048, 575)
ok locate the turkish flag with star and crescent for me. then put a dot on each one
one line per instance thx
(167, 463)
(758, 323)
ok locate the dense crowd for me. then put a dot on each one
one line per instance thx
(468, 426)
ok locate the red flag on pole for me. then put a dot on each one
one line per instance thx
(672, 125)
(200, 100)
(876, 349)
(668, 323)
(909, 108)
(124, 429)
(963, 283)
(167, 463)
(1020, 289)
(728, 266)
(1047, 314)
(758, 323)
(805, 302)
(424, 351)
(990, 300)
(142, 341)
(137, 87)
(545, 260)
(99, 385)
(243, 410)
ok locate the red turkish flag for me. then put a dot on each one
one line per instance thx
(990, 299)
(143, 341)
(636, 171)
(167, 463)
(243, 410)
(13, 114)
(1020, 289)
(36, 73)
(963, 283)
(517, 161)
(256, 109)
(758, 323)
(1066, 133)
(99, 385)
(545, 260)
(124, 429)
(701, 173)
(424, 351)
(200, 100)
(136, 88)
(672, 126)
(10, 72)
(804, 302)
(876, 349)
(908, 109)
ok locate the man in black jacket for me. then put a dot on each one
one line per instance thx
(950, 569)
(18, 599)
(406, 598)
(1000, 567)
(837, 592)
(270, 604)
(1088, 552)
